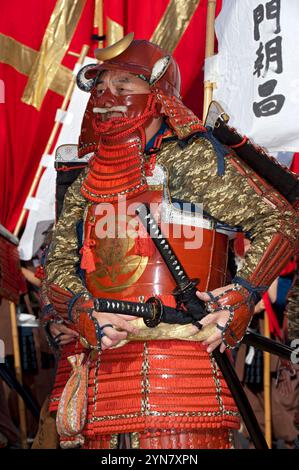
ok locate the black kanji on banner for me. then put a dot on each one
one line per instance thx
(272, 52)
(268, 57)
(272, 13)
(270, 105)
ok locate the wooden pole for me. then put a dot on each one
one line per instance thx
(50, 141)
(210, 45)
(99, 19)
(267, 386)
(18, 371)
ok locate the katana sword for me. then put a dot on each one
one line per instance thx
(153, 312)
(186, 294)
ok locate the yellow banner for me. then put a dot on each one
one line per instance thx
(174, 23)
(56, 41)
(22, 58)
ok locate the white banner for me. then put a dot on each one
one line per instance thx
(42, 213)
(258, 70)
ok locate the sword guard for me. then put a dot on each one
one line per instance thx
(183, 292)
(157, 307)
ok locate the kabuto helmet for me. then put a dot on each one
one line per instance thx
(140, 57)
(149, 62)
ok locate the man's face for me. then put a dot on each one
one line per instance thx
(113, 96)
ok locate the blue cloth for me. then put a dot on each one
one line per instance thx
(219, 148)
(151, 142)
(283, 287)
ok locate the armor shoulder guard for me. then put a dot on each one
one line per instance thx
(68, 168)
(280, 177)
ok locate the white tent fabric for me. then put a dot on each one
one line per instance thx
(257, 70)
(42, 206)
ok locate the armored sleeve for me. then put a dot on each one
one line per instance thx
(65, 289)
(238, 198)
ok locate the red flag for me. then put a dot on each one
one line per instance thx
(24, 130)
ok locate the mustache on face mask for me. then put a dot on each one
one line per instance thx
(120, 109)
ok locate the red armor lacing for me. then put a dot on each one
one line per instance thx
(118, 167)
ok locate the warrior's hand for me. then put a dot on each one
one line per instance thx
(231, 311)
(114, 327)
(218, 318)
(61, 334)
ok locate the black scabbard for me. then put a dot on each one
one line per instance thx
(9, 378)
(241, 400)
(268, 345)
(142, 310)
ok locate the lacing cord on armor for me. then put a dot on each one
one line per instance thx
(72, 302)
(99, 332)
(254, 292)
(220, 149)
(215, 300)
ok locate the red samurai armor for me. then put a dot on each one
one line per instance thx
(158, 385)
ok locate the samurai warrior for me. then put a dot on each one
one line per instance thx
(147, 384)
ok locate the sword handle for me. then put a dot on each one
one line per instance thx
(151, 311)
(123, 307)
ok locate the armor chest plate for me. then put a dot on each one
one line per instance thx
(127, 264)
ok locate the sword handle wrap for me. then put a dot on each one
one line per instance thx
(151, 311)
(123, 307)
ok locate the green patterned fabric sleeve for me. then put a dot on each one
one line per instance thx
(236, 199)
